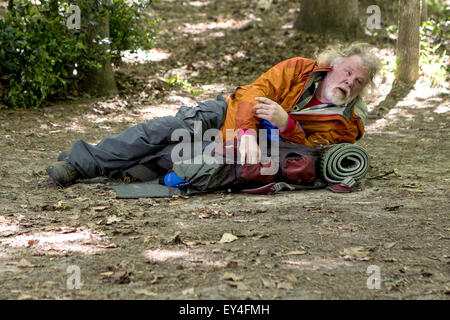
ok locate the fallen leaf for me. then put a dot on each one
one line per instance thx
(156, 278)
(65, 230)
(426, 273)
(296, 253)
(291, 277)
(24, 263)
(231, 264)
(268, 283)
(175, 239)
(410, 185)
(404, 269)
(262, 252)
(393, 208)
(356, 253)
(227, 238)
(231, 276)
(145, 292)
(46, 207)
(33, 242)
(82, 199)
(285, 285)
(113, 219)
(389, 245)
(242, 286)
(122, 277)
(260, 236)
(99, 208)
(188, 291)
(196, 243)
(61, 206)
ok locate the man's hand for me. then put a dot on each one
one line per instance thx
(249, 149)
(271, 111)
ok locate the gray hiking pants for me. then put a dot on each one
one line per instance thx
(122, 151)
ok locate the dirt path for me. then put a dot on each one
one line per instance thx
(293, 245)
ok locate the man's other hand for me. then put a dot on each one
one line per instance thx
(271, 111)
(249, 149)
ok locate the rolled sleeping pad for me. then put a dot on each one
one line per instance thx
(343, 161)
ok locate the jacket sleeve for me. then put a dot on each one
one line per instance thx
(316, 138)
(273, 84)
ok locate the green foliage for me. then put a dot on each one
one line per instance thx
(433, 56)
(39, 54)
(391, 6)
(436, 7)
(433, 31)
(131, 28)
(389, 64)
(177, 81)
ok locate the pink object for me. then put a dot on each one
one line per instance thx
(246, 131)
(339, 188)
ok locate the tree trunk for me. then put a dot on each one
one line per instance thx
(101, 82)
(408, 42)
(338, 18)
(424, 10)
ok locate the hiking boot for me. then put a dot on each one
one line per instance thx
(63, 173)
(64, 156)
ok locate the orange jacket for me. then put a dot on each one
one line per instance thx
(284, 83)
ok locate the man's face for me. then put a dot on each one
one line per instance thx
(345, 81)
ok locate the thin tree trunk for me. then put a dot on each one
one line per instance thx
(408, 42)
(101, 82)
(338, 18)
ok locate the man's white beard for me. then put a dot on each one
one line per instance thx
(335, 97)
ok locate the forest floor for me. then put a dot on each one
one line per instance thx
(292, 245)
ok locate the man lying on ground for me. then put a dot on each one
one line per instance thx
(310, 102)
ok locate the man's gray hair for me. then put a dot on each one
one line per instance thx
(333, 56)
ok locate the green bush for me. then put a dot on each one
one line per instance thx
(39, 54)
(130, 27)
(433, 55)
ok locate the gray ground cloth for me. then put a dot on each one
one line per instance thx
(115, 153)
(150, 189)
